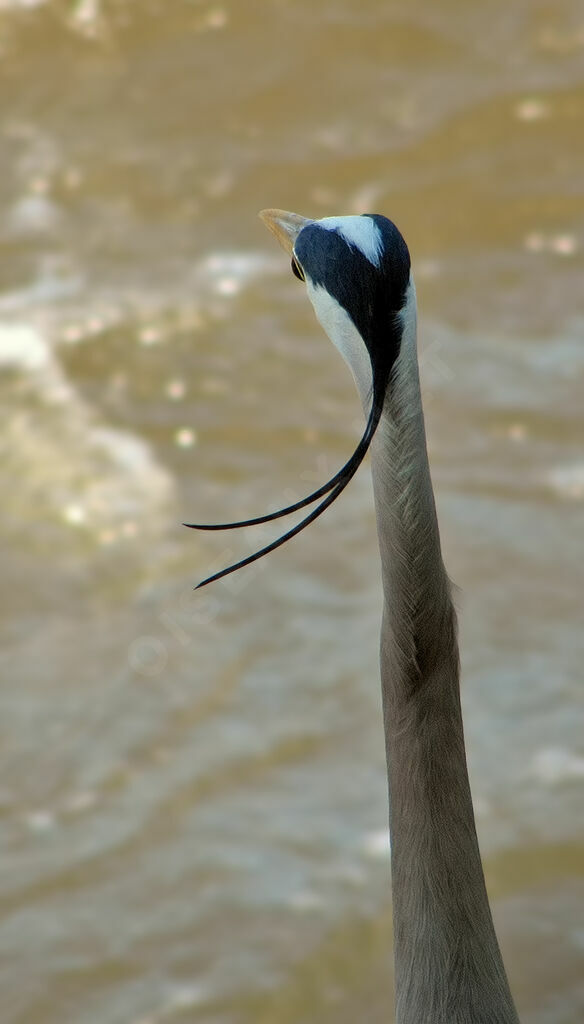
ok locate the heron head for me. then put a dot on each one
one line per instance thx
(357, 274)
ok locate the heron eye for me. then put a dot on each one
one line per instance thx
(296, 269)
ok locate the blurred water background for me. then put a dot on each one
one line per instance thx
(192, 786)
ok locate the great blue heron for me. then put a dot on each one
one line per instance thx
(448, 966)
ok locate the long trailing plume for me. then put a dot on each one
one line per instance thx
(342, 475)
(334, 486)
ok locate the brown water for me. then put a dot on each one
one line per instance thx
(192, 786)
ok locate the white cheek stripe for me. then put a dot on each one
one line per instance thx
(362, 232)
(341, 330)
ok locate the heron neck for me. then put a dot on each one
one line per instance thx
(448, 967)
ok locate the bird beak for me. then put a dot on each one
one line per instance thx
(285, 226)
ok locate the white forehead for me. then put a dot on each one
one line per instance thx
(362, 232)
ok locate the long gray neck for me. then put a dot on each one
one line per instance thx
(448, 967)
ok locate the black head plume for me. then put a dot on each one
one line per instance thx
(361, 265)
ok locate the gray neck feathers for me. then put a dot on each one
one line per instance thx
(447, 961)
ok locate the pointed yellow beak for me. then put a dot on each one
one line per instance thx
(285, 226)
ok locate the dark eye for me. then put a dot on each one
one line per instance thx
(296, 269)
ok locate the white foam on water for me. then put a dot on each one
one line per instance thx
(22, 347)
(376, 844)
(555, 764)
(568, 481)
